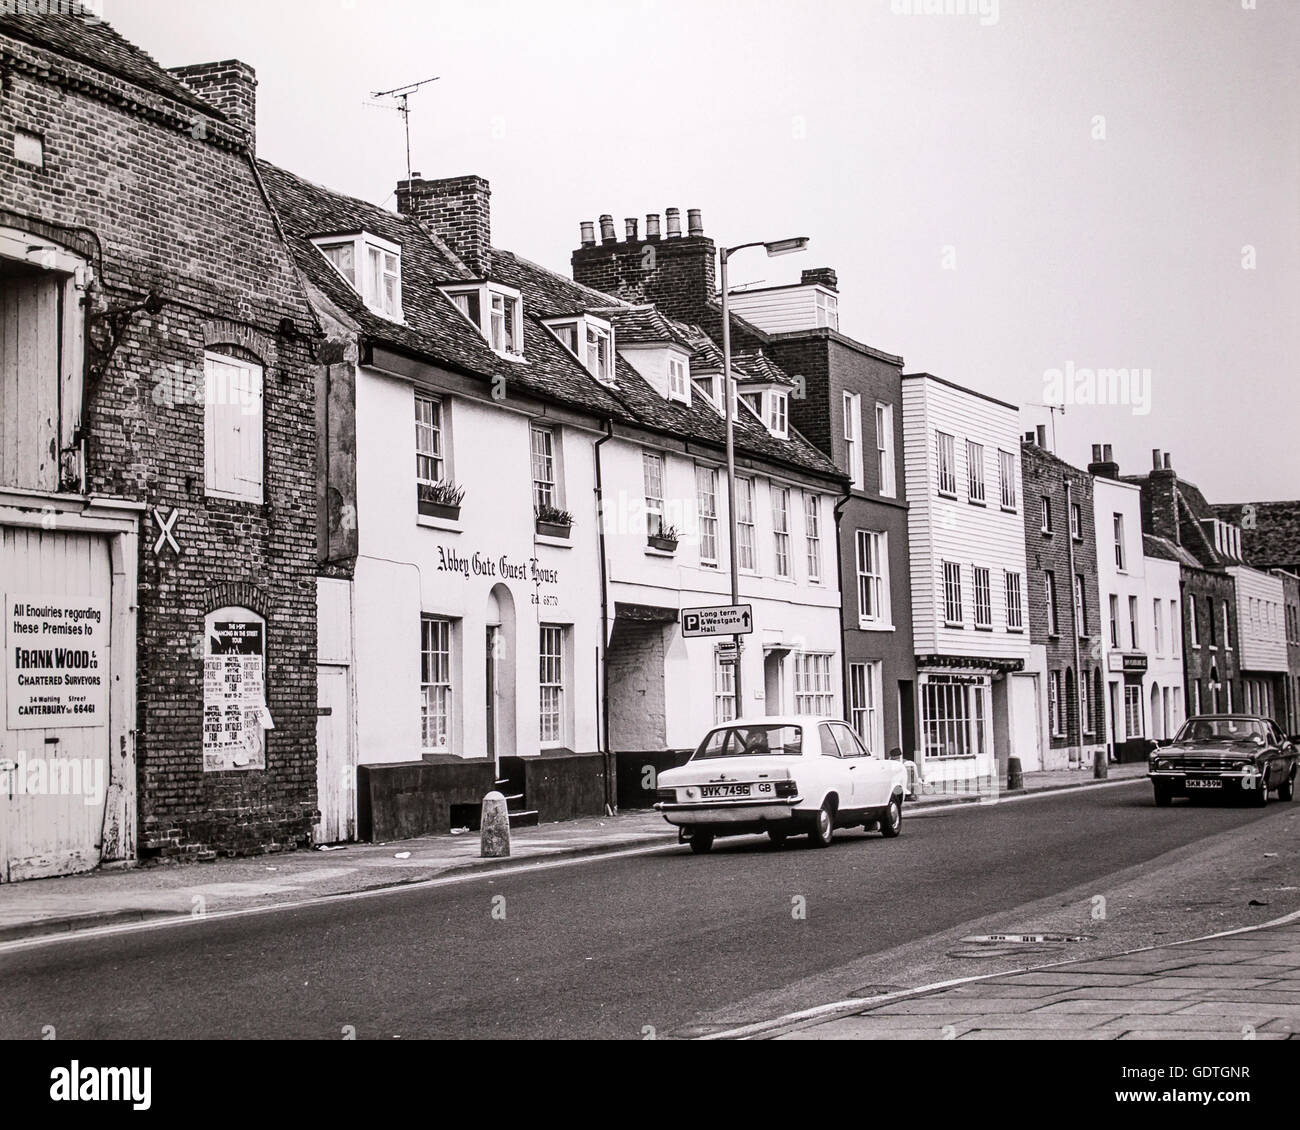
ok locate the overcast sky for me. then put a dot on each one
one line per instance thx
(1048, 185)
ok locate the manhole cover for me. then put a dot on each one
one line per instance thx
(874, 990)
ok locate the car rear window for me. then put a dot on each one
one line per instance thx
(759, 740)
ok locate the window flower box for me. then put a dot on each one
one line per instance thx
(551, 521)
(441, 500)
(664, 539)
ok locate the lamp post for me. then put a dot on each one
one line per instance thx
(776, 247)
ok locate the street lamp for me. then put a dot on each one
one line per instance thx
(774, 248)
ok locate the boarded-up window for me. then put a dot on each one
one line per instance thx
(31, 333)
(232, 439)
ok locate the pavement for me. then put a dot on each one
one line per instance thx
(1241, 985)
(136, 894)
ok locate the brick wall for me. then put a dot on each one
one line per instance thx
(176, 209)
(1201, 664)
(678, 274)
(1044, 474)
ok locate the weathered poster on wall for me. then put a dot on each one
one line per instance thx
(56, 661)
(235, 716)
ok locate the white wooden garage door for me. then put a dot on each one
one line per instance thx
(55, 779)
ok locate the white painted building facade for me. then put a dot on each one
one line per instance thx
(667, 690)
(980, 700)
(1141, 618)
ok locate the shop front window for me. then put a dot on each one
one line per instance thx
(954, 718)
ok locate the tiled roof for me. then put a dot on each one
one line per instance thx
(547, 293)
(1154, 546)
(755, 367)
(1271, 537)
(93, 42)
(435, 330)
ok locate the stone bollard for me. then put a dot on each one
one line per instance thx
(494, 827)
(1015, 777)
(1100, 766)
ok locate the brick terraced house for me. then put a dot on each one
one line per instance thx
(157, 511)
(1064, 605)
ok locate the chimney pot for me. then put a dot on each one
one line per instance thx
(1041, 431)
(1096, 453)
(1107, 453)
(1029, 437)
(630, 225)
(1155, 458)
(694, 222)
(588, 233)
(674, 222)
(607, 230)
(652, 225)
(1169, 466)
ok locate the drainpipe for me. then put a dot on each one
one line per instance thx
(1074, 612)
(844, 500)
(602, 727)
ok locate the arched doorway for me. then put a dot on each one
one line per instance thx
(499, 674)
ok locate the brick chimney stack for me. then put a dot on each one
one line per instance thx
(675, 270)
(1160, 510)
(822, 276)
(456, 209)
(1103, 463)
(230, 87)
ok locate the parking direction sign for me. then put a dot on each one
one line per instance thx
(720, 620)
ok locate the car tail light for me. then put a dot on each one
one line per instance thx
(787, 788)
(665, 794)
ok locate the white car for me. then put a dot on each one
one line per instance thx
(784, 776)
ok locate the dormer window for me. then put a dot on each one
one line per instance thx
(600, 352)
(709, 387)
(495, 310)
(679, 384)
(590, 340)
(371, 266)
(778, 413)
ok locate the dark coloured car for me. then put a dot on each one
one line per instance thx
(1213, 754)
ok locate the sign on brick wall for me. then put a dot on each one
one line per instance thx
(56, 661)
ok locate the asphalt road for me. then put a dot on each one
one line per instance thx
(600, 949)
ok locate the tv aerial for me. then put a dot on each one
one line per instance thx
(401, 95)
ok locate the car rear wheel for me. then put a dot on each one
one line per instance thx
(1164, 796)
(1286, 790)
(891, 823)
(823, 829)
(701, 841)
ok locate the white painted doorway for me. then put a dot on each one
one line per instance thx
(336, 775)
(1025, 728)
